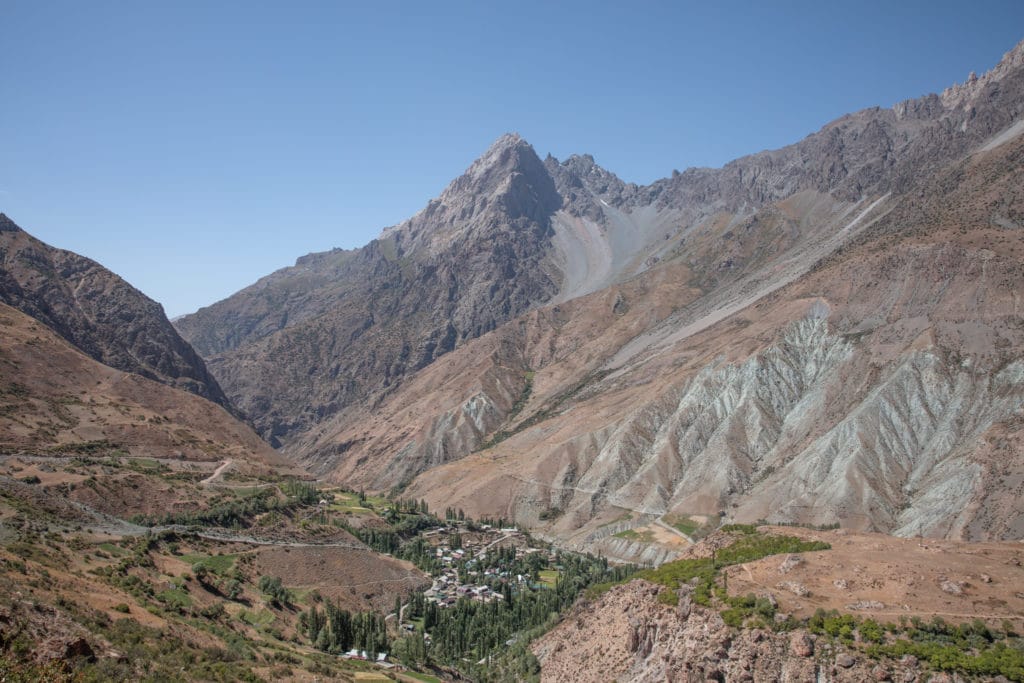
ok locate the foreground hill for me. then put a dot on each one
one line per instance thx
(147, 533)
(869, 607)
(98, 312)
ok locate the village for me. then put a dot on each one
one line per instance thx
(485, 563)
(477, 562)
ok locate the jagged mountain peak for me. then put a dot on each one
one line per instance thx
(587, 170)
(510, 154)
(507, 140)
(509, 178)
(7, 225)
(582, 182)
(968, 92)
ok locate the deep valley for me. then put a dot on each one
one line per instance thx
(763, 422)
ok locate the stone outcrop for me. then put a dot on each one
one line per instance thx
(627, 635)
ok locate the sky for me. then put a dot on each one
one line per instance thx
(193, 147)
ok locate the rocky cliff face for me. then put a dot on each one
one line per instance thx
(628, 636)
(98, 312)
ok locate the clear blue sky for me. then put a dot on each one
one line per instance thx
(193, 147)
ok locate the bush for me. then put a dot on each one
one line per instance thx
(871, 631)
(668, 597)
(272, 587)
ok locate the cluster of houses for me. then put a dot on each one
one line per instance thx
(447, 587)
(447, 590)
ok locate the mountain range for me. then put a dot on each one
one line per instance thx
(825, 333)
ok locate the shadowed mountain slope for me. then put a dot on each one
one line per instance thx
(55, 399)
(340, 326)
(98, 312)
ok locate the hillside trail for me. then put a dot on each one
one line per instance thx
(674, 530)
(217, 473)
(103, 523)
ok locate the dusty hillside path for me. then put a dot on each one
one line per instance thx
(674, 530)
(217, 473)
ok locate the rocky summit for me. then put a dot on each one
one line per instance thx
(343, 328)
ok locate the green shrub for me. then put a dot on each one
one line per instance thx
(871, 631)
(668, 597)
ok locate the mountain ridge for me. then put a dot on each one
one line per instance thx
(98, 312)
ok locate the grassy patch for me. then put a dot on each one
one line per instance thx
(347, 501)
(175, 597)
(218, 564)
(140, 465)
(548, 577)
(427, 678)
(646, 536)
(750, 547)
(693, 528)
(260, 618)
(972, 648)
(684, 524)
(701, 573)
(598, 589)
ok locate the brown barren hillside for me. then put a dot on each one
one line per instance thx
(55, 399)
(98, 312)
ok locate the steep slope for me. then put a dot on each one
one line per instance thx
(303, 343)
(55, 399)
(98, 312)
